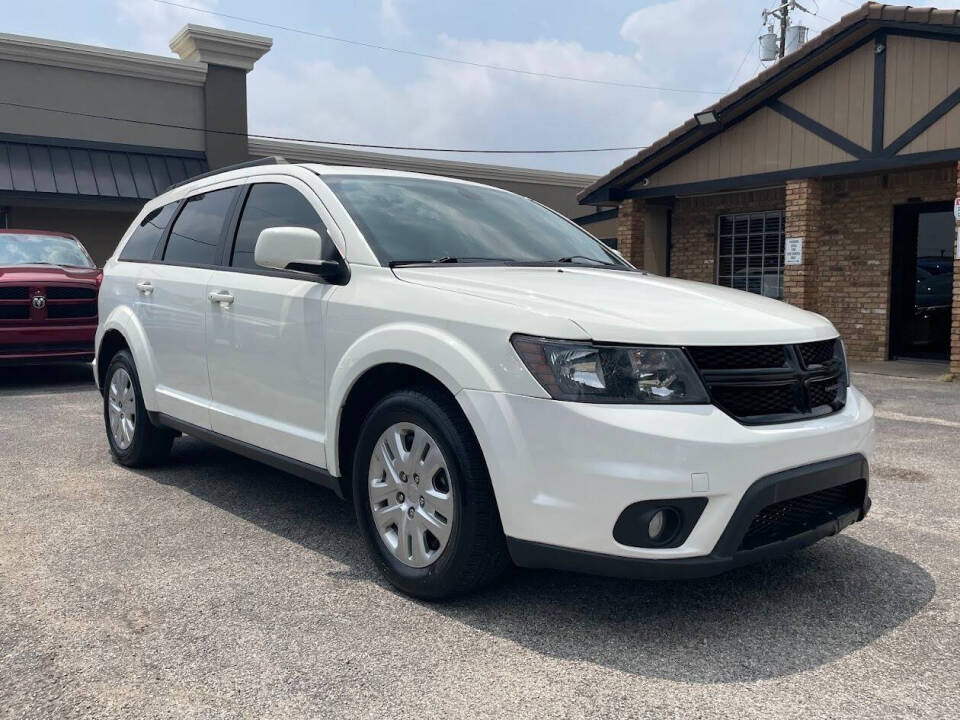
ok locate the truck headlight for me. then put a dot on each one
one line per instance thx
(585, 372)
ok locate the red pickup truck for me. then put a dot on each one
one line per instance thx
(48, 297)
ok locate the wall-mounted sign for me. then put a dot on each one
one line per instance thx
(793, 251)
(956, 209)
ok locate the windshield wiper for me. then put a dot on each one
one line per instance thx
(447, 259)
(571, 258)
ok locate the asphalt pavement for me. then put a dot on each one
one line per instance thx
(217, 587)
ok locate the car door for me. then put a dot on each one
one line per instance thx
(174, 304)
(265, 331)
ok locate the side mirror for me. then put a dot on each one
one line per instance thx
(299, 249)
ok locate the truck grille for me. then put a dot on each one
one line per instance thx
(14, 292)
(791, 517)
(71, 293)
(61, 303)
(763, 384)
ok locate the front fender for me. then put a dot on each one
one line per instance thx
(123, 320)
(430, 349)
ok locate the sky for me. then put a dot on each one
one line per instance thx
(308, 87)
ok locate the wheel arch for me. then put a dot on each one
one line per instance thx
(122, 330)
(404, 353)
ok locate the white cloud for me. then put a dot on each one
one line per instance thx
(153, 24)
(696, 44)
(391, 20)
(460, 106)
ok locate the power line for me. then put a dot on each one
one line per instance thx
(314, 141)
(745, 56)
(442, 58)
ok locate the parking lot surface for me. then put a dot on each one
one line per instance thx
(217, 587)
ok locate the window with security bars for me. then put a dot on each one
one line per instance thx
(750, 252)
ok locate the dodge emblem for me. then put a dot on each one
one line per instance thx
(39, 301)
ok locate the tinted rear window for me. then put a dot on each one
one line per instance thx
(195, 236)
(143, 243)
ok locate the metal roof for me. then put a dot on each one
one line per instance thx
(59, 167)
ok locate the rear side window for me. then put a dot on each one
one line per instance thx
(144, 240)
(271, 205)
(195, 236)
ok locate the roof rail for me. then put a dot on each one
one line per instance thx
(273, 160)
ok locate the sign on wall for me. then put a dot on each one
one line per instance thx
(793, 251)
(956, 209)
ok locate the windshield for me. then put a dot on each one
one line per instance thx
(25, 249)
(411, 220)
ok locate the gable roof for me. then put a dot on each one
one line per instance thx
(848, 32)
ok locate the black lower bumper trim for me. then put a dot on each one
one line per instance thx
(725, 556)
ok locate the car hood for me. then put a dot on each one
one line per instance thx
(632, 307)
(41, 274)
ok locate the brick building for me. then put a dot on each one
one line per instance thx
(828, 181)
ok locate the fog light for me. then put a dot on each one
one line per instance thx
(657, 524)
(663, 524)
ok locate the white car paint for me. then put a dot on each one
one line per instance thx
(274, 368)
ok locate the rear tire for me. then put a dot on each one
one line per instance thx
(437, 531)
(134, 440)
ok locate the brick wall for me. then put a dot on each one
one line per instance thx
(694, 229)
(803, 217)
(630, 231)
(848, 230)
(853, 263)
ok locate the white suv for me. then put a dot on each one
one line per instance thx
(483, 379)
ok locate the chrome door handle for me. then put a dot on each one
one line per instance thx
(222, 297)
(145, 287)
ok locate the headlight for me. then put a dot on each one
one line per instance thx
(570, 370)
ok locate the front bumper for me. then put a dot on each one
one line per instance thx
(46, 343)
(564, 472)
(728, 553)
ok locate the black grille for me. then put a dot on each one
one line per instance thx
(785, 519)
(70, 293)
(14, 312)
(70, 311)
(739, 358)
(831, 392)
(755, 401)
(14, 292)
(816, 353)
(764, 384)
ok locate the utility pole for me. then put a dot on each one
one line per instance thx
(778, 46)
(784, 24)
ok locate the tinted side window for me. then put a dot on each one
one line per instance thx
(143, 243)
(271, 205)
(195, 237)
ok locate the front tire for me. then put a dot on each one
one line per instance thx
(134, 440)
(423, 497)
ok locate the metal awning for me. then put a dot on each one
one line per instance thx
(92, 170)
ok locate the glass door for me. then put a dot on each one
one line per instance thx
(922, 280)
